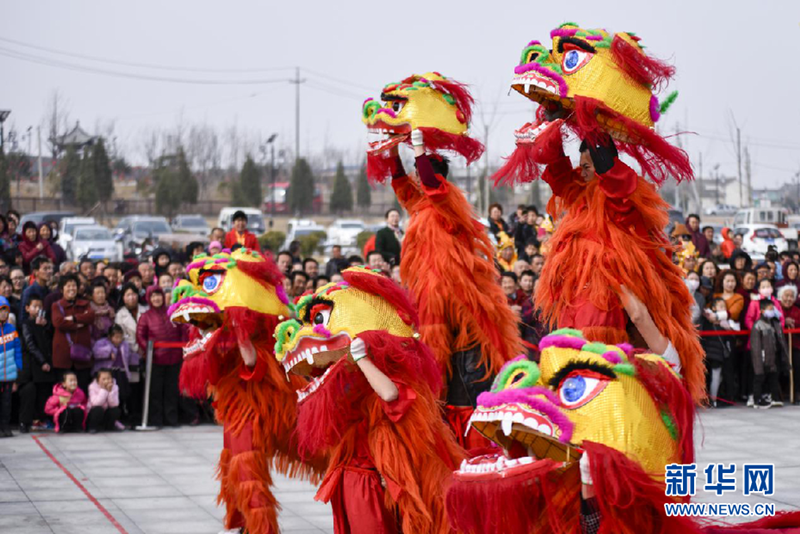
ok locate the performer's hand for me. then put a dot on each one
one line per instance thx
(248, 352)
(603, 155)
(358, 349)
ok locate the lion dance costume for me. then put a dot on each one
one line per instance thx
(447, 256)
(235, 301)
(630, 413)
(609, 230)
(402, 445)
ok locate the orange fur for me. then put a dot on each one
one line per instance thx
(269, 407)
(447, 266)
(591, 257)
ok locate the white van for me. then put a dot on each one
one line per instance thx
(769, 215)
(255, 219)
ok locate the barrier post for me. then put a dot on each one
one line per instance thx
(791, 371)
(147, 378)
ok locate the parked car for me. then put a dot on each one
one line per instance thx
(68, 225)
(720, 209)
(770, 215)
(93, 242)
(192, 224)
(300, 227)
(759, 237)
(255, 219)
(344, 231)
(39, 217)
(137, 232)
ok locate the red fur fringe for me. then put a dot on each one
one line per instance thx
(447, 266)
(459, 92)
(379, 168)
(543, 499)
(781, 522)
(658, 159)
(613, 255)
(436, 140)
(386, 289)
(264, 272)
(642, 68)
(195, 378)
(519, 167)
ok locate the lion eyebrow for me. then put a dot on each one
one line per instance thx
(388, 97)
(315, 302)
(562, 373)
(580, 43)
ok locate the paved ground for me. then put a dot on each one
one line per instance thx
(162, 482)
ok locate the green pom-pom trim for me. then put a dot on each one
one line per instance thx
(369, 106)
(200, 256)
(571, 332)
(302, 303)
(665, 105)
(449, 99)
(280, 334)
(527, 369)
(570, 24)
(596, 348)
(625, 369)
(669, 422)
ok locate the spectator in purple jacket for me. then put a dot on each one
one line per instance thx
(699, 240)
(154, 325)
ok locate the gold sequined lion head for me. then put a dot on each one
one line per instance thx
(243, 285)
(328, 321)
(439, 107)
(598, 83)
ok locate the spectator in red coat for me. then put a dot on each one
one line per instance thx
(32, 245)
(72, 317)
(239, 235)
(154, 325)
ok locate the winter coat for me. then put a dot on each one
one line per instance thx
(768, 347)
(754, 312)
(102, 398)
(77, 399)
(734, 304)
(700, 241)
(30, 250)
(125, 319)
(102, 323)
(728, 246)
(794, 313)
(388, 245)
(718, 348)
(37, 343)
(11, 355)
(250, 240)
(155, 325)
(109, 356)
(78, 330)
(33, 290)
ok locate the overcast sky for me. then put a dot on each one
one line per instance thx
(733, 58)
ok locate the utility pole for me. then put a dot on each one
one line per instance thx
(739, 163)
(41, 173)
(716, 175)
(297, 81)
(700, 196)
(748, 173)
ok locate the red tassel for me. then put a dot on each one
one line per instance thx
(459, 92)
(379, 168)
(194, 378)
(519, 167)
(644, 69)
(436, 140)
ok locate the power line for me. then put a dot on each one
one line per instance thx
(120, 74)
(136, 64)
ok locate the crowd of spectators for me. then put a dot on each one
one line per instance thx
(75, 334)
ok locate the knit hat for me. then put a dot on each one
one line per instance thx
(215, 244)
(679, 230)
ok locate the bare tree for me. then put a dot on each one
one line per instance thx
(55, 120)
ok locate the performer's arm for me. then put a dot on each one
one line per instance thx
(382, 384)
(617, 180)
(641, 318)
(424, 168)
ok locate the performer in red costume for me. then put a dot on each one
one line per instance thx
(447, 266)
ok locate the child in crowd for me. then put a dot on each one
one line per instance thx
(769, 354)
(10, 364)
(67, 405)
(104, 410)
(214, 247)
(114, 354)
(103, 312)
(718, 348)
(37, 363)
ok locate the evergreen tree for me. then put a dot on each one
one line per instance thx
(250, 183)
(363, 191)
(103, 179)
(342, 195)
(187, 183)
(87, 184)
(70, 169)
(5, 184)
(301, 187)
(168, 189)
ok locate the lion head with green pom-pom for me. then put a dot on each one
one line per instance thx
(439, 107)
(581, 391)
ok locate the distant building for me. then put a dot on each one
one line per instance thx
(77, 139)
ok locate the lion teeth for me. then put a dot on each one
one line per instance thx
(506, 425)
